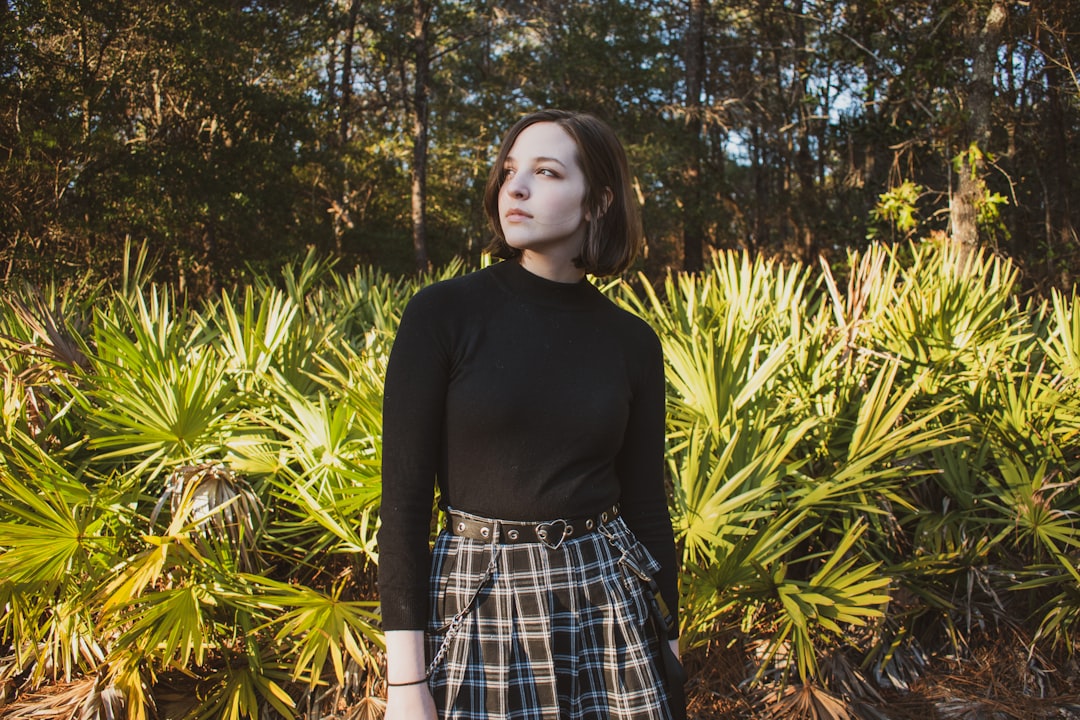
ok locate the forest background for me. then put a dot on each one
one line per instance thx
(212, 215)
(236, 135)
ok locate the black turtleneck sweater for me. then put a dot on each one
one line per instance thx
(524, 399)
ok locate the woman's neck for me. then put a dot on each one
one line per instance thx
(555, 269)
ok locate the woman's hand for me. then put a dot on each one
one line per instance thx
(410, 702)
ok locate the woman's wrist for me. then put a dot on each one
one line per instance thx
(405, 660)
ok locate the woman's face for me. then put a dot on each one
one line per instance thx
(542, 198)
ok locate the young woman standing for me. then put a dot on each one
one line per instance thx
(536, 406)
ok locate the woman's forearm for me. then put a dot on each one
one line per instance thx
(406, 698)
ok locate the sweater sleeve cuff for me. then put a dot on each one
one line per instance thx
(405, 614)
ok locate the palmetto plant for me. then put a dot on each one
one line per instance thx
(861, 475)
(846, 458)
(212, 508)
(773, 454)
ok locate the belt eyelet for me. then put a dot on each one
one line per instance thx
(542, 534)
(604, 516)
(568, 531)
(485, 532)
(589, 524)
(461, 527)
(512, 534)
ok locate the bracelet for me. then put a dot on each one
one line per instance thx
(406, 684)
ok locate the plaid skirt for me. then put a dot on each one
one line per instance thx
(545, 634)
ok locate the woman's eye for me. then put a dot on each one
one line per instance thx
(547, 171)
(508, 172)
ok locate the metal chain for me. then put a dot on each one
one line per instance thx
(459, 618)
(455, 626)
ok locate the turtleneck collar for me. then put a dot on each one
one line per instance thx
(520, 282)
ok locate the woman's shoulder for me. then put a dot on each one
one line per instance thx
(639, 342)
(450, 295)
(635, 328)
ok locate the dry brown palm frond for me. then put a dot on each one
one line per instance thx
(7, 691)
(53, 334)
(906, 664)
(220, 504)
(872, 711)
(808, 702)
(843, 677)
(49, 350)
(84, 699)
(359, 697)
(104, 703)
(370, 708)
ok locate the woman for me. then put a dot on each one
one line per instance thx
(537, 408)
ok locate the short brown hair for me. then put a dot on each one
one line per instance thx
(614, 237)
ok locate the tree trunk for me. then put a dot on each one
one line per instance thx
(693, 225)
(962, 212)
(760, 239)
(806, 211)
(341, 207)
(983, 41)
(421, 91)
(345, 112)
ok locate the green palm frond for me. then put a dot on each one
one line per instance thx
(1032, 507)
(1024, 411)
(252, 336)
(370, 302)
(43, 345)
(303, 278)
(951, 311)
(167, 626)
(322, 435)
(50, 526)
(59, 536)
(886, 434)
(357, 377)
(333, 517)
(54, 637)
(319, 626)
(143, 570)
(1062, 344)
(327, 475)
(716, 500)
(841, 591)
(160, 393)
(246, 691)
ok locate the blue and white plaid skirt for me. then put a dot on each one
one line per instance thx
(546, 634)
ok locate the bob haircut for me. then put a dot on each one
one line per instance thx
(613, 238)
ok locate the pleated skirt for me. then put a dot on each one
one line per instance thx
(545, 634)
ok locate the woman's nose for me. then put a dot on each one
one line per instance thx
(515, 188)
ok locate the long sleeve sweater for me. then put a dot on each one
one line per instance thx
(521, 399)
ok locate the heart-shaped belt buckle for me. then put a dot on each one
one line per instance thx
(552, 533)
